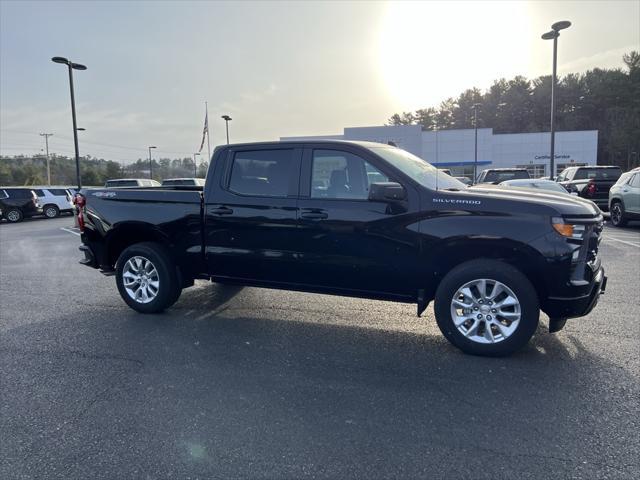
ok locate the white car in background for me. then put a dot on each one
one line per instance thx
(549, 186)
(54, 200)
(538, 183)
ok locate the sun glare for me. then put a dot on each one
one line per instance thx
(432, 50)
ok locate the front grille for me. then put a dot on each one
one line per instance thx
(586, 255)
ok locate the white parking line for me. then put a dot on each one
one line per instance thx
(633, 244)
(70, 231)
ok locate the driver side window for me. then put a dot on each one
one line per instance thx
(342, 175)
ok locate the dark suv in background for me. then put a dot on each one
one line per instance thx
(18, 203)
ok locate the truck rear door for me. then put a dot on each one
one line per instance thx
(250, 213)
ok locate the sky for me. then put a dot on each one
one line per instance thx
(277, 68)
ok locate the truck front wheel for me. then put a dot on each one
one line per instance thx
(487, 307)
(146, 278)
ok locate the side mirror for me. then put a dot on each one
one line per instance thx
(386, 192)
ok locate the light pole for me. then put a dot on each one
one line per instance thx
(150, 167)
(46, 142)
(553, 34)
(227, 119)
(73, 66)
(475, 127)
(195, 165)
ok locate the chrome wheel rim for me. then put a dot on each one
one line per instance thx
(140, 279)
(485, 311)
(50, 212)
(13, 216)
(616, 214)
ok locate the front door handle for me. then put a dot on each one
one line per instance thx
(314, 215)
(222, 211)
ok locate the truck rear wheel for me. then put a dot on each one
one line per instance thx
(487, 307)
(146, 278)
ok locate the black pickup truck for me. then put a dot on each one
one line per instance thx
(591, 182)
(358, 219)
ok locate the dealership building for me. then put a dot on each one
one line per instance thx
(455, 149)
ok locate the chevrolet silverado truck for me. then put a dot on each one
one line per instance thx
(356, 219)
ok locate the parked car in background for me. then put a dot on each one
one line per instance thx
(548, 185)
(54, 200)
(19, 203)
(131, 182)
(591, 182)
(183, 182)
(624, 198)
(497, 175)
(465, 180)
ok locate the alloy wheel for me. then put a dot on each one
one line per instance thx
(140, 279)
(485, 311)
(616, 214)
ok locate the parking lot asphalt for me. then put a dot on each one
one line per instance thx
(256, 383)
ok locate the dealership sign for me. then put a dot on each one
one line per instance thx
(547, 157)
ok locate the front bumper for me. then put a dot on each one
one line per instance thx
(578, 306)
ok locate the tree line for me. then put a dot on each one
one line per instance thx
(32, 170)
(607, 100)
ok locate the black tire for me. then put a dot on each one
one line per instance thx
(618, 215)
(497, 271)
(169, 288)
(51, 211)
(14, 215)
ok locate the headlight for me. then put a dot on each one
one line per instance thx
(569, 230)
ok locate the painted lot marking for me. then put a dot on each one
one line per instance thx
(614, 239)
(70, 231)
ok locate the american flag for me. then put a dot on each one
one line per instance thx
(205, 130)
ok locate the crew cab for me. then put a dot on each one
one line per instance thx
(591, 182)
(306, 216)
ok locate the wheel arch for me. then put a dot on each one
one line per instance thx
(519, 255)
(130, 233)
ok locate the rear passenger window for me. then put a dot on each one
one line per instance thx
(58, 191)
(20, 193)
(39, 193)
(265, 173)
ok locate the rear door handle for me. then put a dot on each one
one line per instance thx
(222, 211)
(314, 215)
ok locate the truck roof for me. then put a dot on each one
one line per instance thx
(361, 143)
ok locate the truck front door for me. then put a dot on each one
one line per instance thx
(347, 241)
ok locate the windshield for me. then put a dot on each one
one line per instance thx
(422, 172)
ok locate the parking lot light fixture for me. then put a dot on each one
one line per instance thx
(475, 127)
(227, 119)
(71, 67)
(553, 34)
(150, 166)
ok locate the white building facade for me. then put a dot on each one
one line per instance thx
(455, 149)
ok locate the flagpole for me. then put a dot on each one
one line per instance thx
(206, 109)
